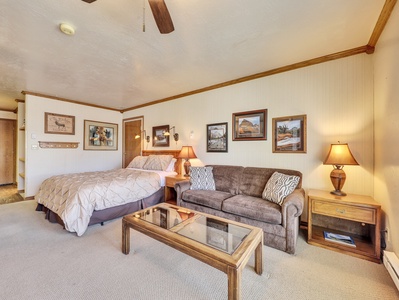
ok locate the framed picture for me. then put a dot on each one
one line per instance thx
(59, 124)
(250, 125)
(217, 234)
(158, 136)
(100, 136)
(289, 134)
(216, 137)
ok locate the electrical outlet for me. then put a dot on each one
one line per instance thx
(387, 234)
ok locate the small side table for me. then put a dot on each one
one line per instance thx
(357, 216)
(170, 181)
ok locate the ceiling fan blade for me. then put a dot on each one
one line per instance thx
(88, 1)
(161, 16)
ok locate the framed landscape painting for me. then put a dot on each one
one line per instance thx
(289, 134)
(216, 137)
(100, 136)
(250, 125)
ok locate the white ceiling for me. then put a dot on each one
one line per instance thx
(111, 62)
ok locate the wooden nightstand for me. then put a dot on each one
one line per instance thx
(353, 215)
(170, 181)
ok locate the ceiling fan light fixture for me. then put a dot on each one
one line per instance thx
(67, 29)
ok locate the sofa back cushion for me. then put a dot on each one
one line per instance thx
(227, 178)
(253, 180)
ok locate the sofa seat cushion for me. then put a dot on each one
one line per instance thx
(253, 208)
(212, 199)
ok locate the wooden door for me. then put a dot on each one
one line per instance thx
(7, 151)
(132, 146)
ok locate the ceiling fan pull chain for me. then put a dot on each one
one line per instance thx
(143, 15)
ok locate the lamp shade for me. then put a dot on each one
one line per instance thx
(187, 152)
(340, 155)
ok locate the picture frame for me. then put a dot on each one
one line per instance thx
(217, 234)
(250, 125)
(217, 137)
(59, 124)
(289, 134)
(159, 139)
(100, 135)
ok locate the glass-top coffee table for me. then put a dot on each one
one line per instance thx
(221, 243)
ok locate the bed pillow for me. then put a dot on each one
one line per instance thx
(279, 186)
(201, 178)
(138, 162)
(171, 166)
(157, 162)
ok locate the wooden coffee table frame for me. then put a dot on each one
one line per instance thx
(232, 265)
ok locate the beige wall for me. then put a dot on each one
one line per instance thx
(386, 79)
(8, 115)
(43, 163)
(336, 96)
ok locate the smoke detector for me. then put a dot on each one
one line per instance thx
(67, 29)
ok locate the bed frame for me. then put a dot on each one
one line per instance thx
(101, 216)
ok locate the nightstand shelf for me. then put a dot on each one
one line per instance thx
(354, 215)
(170, 181)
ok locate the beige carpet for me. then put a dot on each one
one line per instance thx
(40, 260)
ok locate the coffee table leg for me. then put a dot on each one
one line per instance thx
(234, 283)
(125, 237)
(258, 259)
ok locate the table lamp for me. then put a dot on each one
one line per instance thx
(338, 156)
(186, 153)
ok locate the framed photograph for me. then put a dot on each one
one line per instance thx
(217, 234)
(216, 137)
(250, 125)
(158, 136)
(59, 124)
(289, 134)
(100, 136)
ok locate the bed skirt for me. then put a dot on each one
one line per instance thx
(100, 216)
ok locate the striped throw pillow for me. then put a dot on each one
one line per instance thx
(279, 186)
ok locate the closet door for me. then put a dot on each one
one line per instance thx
(131, 145)
(7, 151)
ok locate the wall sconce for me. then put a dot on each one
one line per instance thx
(175, 135)
(338, 156)
(186, 153)
(138, 135)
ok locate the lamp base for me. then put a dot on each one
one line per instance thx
(338, 178)
(338, 193)
(187, 166)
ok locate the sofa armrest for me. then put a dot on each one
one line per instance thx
(180, 187)
(292, 206)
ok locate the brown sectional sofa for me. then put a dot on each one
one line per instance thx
(238, 196)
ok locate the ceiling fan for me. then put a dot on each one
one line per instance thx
(161, 15)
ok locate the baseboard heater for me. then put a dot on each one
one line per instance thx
(391, 262)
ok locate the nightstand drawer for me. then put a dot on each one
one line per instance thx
(349, 212)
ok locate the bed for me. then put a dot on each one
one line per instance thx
(79, 200)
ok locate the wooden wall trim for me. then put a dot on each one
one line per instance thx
(381, 22)
(68, 100)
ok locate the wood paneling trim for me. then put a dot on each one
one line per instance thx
(67, 100)
(306, 63)
(381, 22)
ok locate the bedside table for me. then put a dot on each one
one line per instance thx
(356, 216)
(170, 181)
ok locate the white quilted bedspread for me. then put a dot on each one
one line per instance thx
(74, 197)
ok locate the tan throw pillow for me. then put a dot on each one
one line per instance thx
(137, 162)
(157, 162)
(279, 186)
(201, 178)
